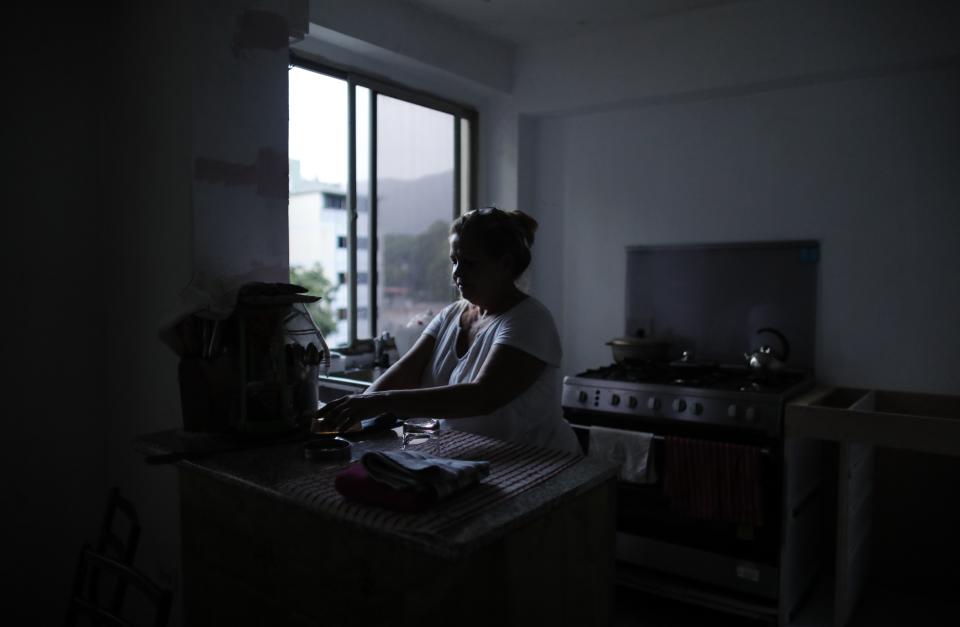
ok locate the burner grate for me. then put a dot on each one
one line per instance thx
(723, 377)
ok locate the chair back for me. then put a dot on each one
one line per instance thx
(120, 517)
(155, 599)
(118, 540)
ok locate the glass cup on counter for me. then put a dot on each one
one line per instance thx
(421, 431)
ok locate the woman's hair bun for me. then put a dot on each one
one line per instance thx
(525, 224)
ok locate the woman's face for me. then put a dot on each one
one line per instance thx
(480, 278)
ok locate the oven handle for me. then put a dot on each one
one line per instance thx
(656, 438)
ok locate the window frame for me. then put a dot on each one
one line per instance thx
(377, 85)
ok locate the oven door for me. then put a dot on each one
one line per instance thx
(656, 536)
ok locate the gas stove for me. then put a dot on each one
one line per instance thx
(722, 395)
(712, 305)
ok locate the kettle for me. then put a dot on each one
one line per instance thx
(765, 358)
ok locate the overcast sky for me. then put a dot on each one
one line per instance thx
(414, 141)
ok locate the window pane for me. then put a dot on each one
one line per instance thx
(465, 165)
(318, 184)
(363, 211)
(415, 205)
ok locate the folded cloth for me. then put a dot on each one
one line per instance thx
(355, 484)
(633, 450)
(716, 481)
(407, 480)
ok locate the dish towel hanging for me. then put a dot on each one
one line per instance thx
(633, 450)
(716, 481)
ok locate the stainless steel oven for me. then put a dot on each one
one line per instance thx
(710, 301)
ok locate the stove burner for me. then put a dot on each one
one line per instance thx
(716, 377)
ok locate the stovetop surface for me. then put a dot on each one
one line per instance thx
(732, 378)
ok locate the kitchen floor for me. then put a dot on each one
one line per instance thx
(639, 609)
(879, 609)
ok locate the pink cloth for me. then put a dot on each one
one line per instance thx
(713, 480)
(356, 484)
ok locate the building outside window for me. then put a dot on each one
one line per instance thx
(333, 200)
(404, 172)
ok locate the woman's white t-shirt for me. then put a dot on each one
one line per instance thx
(535, 416)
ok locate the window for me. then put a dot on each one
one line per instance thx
(377, 172)
(334, 201)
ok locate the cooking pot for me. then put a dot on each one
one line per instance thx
(636, 348)
(767, 359)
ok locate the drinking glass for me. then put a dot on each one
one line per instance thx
(417, 430)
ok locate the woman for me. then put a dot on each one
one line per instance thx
(487, 363)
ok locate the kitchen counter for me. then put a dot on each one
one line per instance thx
(267, 541)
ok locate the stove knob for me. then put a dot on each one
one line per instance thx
(697, 409)
(615, 400)
(732, 410)
(750, 415)
(582, 397)
(679, 405)
(654, 404)
(632, 402)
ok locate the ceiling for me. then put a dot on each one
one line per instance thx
(521, 22)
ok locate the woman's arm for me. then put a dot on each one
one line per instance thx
(506, 373)
(407, 372)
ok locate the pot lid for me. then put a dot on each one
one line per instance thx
(636, 341)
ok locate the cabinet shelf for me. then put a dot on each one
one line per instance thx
(903, 420)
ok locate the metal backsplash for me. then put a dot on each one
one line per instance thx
(712, 298)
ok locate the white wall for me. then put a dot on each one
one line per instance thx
(742, 45)
(858, 154)
(239, 120)
(864, 166)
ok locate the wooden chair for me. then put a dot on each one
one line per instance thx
(118, 540)
(156, 600)
(111, 543)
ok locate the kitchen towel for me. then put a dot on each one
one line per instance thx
(407, 480)
(633, 450)
(716, 481)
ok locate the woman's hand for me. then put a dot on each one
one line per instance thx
(341, 414)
